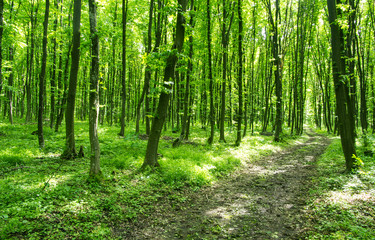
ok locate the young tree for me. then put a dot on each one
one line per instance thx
(224, 42)
(70, 150)
(340, 77)
(123, 76)
(169, 71)
(94, 90)
(43, 77)
(210, 78)
(240, 68)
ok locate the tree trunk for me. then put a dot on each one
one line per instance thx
(161, 114)
(1, 38)
(70, 151)
(94, 97)
(341, 87)
(240, 68)
(185, 121)
(43, 77)
(210, 78)
(146, 85)
(123, 76)
(53, 77)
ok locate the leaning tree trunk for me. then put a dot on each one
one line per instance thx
(123, 76)
(43, 77)
(70, 151)
(94, 97)
(161, 113)
(341, 87)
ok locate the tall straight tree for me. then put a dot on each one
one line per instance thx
(70, 150)
(1, 38)
(274, 22)
(42, 78)
(123, 76)
(224, 41)
(185, 117)
(240, 66)
(146, 85)
(169, 72)
(210, 78)
(341, 85)
(94, 96)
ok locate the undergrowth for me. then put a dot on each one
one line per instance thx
(342, 205)
(44, 197)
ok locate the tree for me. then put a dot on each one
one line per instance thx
(224, 42)
(1, 38)
(340, 77)
(210, 78)
(70, 150)
(94, 96)
(123, 76)
(169, 71)
(42, 78)
(240, 68)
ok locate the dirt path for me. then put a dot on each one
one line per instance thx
(262, 201)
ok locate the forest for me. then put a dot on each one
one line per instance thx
(187, 119)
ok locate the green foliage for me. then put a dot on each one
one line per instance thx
(342, 205)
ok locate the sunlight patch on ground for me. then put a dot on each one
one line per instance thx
(354, 190)
(348, 197)
(75, 206)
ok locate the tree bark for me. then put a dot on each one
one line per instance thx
(240, 68)
(161, 113)
(123, 76)
(94, 97)
(341, 86)
(70, 151)
(1, 38)
(43, 77)
(210, 78)
(146, 85)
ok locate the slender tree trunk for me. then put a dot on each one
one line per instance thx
(123, 76)
(94, 97)
(147, 69)
(341, 86)
(33, 21)
(1, 38)
(70, 151)
(43, 77)
(161, 114)
(10, 83)
(185, 121)
(210, 78)
(240, 68)
(278, 82)
(53, 77)
(224, 42)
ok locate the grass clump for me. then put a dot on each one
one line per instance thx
(342, 205)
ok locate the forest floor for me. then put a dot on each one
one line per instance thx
(265, 199)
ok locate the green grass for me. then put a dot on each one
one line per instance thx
(45, 197)
(343, 205)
